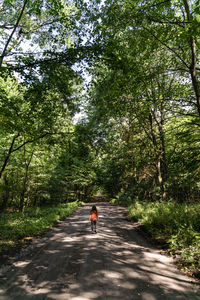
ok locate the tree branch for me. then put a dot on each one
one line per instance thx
(181, 24)
(12, 33)
(169, 48)
(8, 155)
(40, 137)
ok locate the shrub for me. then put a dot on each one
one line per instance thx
(178, 223)
(14, 227)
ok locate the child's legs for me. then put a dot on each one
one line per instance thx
(92, 224)
(95, 224)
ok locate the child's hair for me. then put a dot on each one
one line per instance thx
(94, 208)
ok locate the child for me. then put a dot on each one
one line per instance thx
(93, 218)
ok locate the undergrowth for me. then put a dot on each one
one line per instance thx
(177, 224)
(16, 227)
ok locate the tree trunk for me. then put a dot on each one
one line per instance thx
(159, 158)
(5, 195)
(21, 205)
(164, 170)
(193, 73)
(8, 155)
(5, 50)
(193, 66)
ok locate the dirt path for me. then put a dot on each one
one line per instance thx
(116, 263)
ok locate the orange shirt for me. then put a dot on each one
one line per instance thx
(93, 215)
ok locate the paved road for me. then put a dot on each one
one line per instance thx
(70, 262)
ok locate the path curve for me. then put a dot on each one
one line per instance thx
(70, 262)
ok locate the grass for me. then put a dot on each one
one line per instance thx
(176, 224)
(17, 227)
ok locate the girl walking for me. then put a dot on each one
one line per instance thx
(94, 218)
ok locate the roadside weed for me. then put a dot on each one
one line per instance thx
(17, 226)
(178, 224)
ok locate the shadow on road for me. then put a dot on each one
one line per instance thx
(116, 263)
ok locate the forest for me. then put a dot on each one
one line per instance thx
(101, 96)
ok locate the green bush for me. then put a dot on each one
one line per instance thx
(187, 242)
(16, 226)
(178, 224)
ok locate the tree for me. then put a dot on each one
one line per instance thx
(140, 77)
(46, 25)
(172, 26)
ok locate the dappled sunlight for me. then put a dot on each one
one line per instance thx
(155, 256)
(41, 291)
(116, 263)
(21, 264)
(51, 251)
(43, 284)
(148, 296)
(87, 295)
(41, 268)
(70, 239)
(112, 275)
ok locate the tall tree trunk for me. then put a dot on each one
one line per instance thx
(21, 205)
(161, 178)
(159, 158)
(8, 155)
(161, 128)
(193, 73)
(5, 195)
(193, 65)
